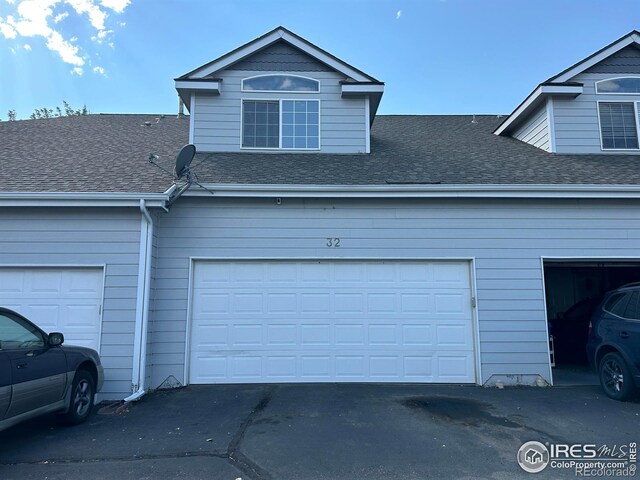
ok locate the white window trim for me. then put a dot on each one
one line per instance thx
(242, 89)
(615, 93)
(635, 115)
(280, 147)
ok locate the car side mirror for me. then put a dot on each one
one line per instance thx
(55, 339)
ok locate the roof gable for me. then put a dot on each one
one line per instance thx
(279, 34)
(617, 55)
(625, 61)
(631, 38)
(280, 56)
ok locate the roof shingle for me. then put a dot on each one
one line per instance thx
(109, 153)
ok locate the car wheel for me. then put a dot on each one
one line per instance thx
(81, 402)
(615, 377)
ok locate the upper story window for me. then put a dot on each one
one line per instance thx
(286, 124)
(618, 125)
(622, 85)
(280, 83)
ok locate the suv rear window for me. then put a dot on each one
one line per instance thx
(617, 303)
(632, 307)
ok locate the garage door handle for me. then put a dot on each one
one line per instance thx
(624, 335)
(21, 365)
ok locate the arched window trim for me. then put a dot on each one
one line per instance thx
(280, 91)
(616, 78)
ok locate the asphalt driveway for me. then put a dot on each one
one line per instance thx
(319, 432)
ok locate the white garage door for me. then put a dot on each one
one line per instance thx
(331, 321)
(63, 300)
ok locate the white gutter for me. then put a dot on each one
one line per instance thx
(142, 305)
(418, 191)
(81, 199)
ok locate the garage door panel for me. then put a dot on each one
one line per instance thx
(291, 321)
(57, 299)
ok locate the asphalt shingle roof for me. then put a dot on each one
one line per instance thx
(108, 153)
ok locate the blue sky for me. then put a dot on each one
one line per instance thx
(435, 56)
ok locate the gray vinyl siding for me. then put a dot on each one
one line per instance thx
(77, 237)
(576, 120)
(217, 126)
(506, 238)
(535, 131)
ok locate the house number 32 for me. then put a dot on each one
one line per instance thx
(333, 242)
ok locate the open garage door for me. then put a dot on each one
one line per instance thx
(573, 289)
(331, 321)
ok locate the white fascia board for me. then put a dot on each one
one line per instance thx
(534, 99)
(416, 191)
(206, 86)
(276, 35)
(75, 199)
(582, 66)
(360, 89)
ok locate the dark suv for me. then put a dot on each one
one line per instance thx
(39, 375)
(613, 347)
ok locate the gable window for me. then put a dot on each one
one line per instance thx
(623, 85)
(280, 83)
(284, 124)
(618, 125)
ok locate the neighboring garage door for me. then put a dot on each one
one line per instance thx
(331, 321)
(66, 300)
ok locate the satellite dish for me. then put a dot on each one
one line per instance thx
(183, 160)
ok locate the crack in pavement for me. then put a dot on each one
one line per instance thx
(233, 455)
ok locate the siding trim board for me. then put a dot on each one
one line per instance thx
(551, 125)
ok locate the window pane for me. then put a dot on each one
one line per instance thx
(619, 85)
(617, 304)
(15, 334)
(300, 125)
(260, 124)
(618, 125)
(287, 142)
(632, 307)
(281, 83)
(287, 130)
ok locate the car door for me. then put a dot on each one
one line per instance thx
(38, 372)
(5, 382)
(627, 329)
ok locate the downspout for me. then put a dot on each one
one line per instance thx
(142, 322)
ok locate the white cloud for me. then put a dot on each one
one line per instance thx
(7, 30)
(34, 18)
(27, 47)
(93, 11)
(398, 14)
(98, 70)
(68, 52)
(117, 6)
